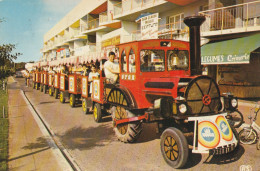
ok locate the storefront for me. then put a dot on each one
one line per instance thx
(235, 64)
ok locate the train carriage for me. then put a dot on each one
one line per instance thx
(41, 80)
(34, 78)
(37, 80)
(45, 81)
(75, 85)
(55, 89)
(63, 87)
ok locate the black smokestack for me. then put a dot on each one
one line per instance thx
(194, 22)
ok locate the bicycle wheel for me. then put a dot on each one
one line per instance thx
(236, 118)
(247, 136)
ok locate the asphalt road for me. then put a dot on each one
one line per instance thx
(95, 147)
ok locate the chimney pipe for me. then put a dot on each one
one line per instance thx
(194, 23)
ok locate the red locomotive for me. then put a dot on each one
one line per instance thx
(160, 81)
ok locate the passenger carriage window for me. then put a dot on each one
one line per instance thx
(178, 60)
(152, 60)
(123, 62)
(131, 66)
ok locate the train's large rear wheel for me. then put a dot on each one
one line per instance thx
(126, 132)
(174, 147)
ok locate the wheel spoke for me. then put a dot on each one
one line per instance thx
(199, 89)
(172, 156)
(209, 86)
(166, 142)
(176, 154)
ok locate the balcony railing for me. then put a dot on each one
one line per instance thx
(92, 24)
(103, 17)
(129, 5)
(231, 17)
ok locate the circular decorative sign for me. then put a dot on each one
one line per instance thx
(225, 129)
(208, 134)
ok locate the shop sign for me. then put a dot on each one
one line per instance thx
(225, 59)
(149, 27)
(111, 42)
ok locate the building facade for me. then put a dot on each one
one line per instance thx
(230, 51)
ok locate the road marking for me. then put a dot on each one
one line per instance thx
(64, 164)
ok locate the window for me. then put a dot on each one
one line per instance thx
(123, 62)
(178, 60)
(152, 60)
(176, 22)
(131, 65)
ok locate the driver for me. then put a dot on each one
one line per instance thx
(111, 69)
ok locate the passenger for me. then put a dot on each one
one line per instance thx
(111, 69)
(145, 65)
(92, 75)
(84, 71)
(64, 70)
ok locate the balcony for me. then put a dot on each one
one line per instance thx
(131, 9)
(232, 19)
(103, 17)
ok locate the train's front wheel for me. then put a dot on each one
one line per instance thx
(174, 147)
(126, 132)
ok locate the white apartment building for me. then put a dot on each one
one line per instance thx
(230, 34)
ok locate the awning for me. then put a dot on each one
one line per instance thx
(234, 51)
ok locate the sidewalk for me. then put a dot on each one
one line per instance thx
(28, 148)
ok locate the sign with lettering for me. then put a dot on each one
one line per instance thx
(225, 59)
(149, 27)
(129, 77)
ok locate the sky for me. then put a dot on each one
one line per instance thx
(26, 22)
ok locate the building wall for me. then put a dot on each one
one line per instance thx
(83, 8)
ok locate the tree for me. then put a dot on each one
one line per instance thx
(6, 54)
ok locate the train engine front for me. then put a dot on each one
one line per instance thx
(198, 109)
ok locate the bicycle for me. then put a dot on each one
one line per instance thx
(249, 135)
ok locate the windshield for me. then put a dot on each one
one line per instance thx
(178, 60)
(152, 60)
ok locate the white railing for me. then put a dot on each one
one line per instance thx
(129, 5)
(231, 17)
(103, 17)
